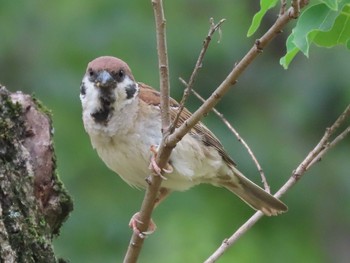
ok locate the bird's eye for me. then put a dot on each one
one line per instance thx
(119, 75)
(91, 74)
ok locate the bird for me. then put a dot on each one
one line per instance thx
(122, 118)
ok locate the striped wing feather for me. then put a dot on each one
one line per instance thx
(151, 96)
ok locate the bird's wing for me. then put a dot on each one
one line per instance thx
(152, 97)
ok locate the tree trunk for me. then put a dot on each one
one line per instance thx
(33, 201)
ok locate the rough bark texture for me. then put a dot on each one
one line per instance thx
(33, 201)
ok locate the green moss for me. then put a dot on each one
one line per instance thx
(65, 201)
(41, 107)
(30, 227)
(11, 125)
(65, 205)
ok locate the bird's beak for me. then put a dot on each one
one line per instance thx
(104, 79)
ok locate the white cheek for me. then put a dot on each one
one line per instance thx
(120, 92)
(125, 83)
(90, 101)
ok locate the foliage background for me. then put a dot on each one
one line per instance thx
(44, 49)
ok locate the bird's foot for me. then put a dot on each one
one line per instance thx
(133, 225)
(153, 165)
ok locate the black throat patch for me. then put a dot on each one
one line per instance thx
(130, 91)
(103, 115)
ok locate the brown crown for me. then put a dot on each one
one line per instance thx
(110, 64)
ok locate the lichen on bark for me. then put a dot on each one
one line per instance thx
(33, 201)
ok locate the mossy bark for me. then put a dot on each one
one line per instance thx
(33, 201)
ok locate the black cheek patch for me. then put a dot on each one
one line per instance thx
(130, 91)
(82, 89)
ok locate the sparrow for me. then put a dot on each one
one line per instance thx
(122, 118)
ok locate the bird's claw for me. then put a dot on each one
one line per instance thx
(133, 225)
(153, 165)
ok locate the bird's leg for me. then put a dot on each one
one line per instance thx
(133, 225)
(163, 193)
(153, 165)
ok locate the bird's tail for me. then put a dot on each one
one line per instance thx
(254, 196)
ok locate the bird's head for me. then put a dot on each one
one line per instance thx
(108, 86)
(108, 94)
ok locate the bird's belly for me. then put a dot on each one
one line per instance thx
(127, 161)
(192, 163)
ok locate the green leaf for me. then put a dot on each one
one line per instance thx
(292, 50)
(265, 5)
(340, 32)
(316, 18)
(321, 25)
(332, 4)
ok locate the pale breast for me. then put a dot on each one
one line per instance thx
(128, 154)
(129, 159)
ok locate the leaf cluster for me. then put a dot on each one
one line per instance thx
(326, 23)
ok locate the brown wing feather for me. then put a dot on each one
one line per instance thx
(151, 96)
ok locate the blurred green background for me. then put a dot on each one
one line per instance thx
(44, 49)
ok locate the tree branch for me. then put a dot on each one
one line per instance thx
(232, 77)
(330, 145)
(313, 157)
(170, 140)
(213, 28)
(283, 7)
(154, 181)
(163, 62)
(239, 138)
(295, 11)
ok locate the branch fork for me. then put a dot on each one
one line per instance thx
(171, 136)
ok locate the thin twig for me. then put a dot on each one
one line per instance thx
(341, 136)
(318, 152)
(305, 165)
(162, 62)
(169, 141)
(330, 145)
(283, 7)
(213, 28)
(162, 158)
(239, 138)
(231, 79)
(295, 10)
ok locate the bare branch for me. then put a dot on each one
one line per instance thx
(227, 243)
(283, 7)
(198, 66)
(330, 145)
(231, 79)
(169, 141)
(297, 5)
(239, 138)
(162, 158)
(295, 11)
(163, 62)
(296, 175)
